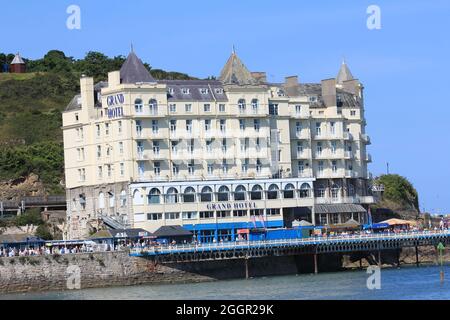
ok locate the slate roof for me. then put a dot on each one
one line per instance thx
(172, 231)
(19, 238)
(344, 74)
(215, 90)
(121, 233)
(133, 71)
(17, 59)
(75, 103)
(235, 72)
(339, 208)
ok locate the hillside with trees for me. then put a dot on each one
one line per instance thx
(31, 106)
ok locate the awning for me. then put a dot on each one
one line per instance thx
(243, 231)
(399, 222)
(339, 208)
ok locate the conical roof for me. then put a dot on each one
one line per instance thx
(17, 59)
(344, 74)
(133, 70)
(235, 72)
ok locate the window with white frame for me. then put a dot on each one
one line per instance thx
(221, 107)
(242, 124)
(188, 107)
(207, 125)
(191, 168)
(100, 172)
(223, 125)
(157, 168)
(189, 126)
(156, 147)
(172, 107)
(122, 169)
(207, 107)
(185, 90)
(119, 127)
(173, 126)
(155, 126)
(257, 124)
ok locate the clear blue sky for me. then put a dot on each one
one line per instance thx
(404, 66)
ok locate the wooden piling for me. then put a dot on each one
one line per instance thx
(417, 256)
(246, 268)
(316, 267)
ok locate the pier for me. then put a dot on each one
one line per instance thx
(311, 246)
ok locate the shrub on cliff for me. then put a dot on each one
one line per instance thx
(43, 232)
(30, 217)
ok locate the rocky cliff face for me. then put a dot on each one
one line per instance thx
(25, 187)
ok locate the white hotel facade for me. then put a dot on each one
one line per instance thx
(214, 156)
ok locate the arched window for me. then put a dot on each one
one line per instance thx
(239, 193)
(241, 105)
(255, 104)
(137, 198)
(305, 190)
(272, 193)
(172, 196)
(123, 198)
(101, 200)
(154, 196)
(289, 191)
(334, 191)
(153, 105)
(223, 194)
(256, 193)
(189, 195)
(112, 199)
(206, 195)
(138, 105)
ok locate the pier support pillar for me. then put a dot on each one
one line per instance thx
(417, 256)
(316, 267)
(246, 268)
(379, 258)
(398, 257)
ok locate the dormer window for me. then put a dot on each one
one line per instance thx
(204, 91)
(219, 90)
(185, 90)
(313, 99)
(280, 93)
(170, 90)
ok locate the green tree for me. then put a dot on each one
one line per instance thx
(399, 190)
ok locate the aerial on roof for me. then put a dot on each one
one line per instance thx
(17, 59)
(235, 72)
(134, 71)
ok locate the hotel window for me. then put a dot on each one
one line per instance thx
(82, 200)
(189, 126)
(299, 147)
(257, 212)
(189, 195)
(141, 168)
(173, 125)
(108, 151)
(185, 91)
(172, 215)
(175, 170)
(206, 195)
(255, 105)
(123, 198)
(273, 109)
(155, 126)
(138, 128)
(298, 127)
(80, 152)
(77, 118)
(154, 216)
(241, 105)
(138, 106)
(319, 149)
(333, 147)
(106, 129)
(156, 147)
(289, 191)
(256, 124)
(188, 107)
(122, 169)
(334, 166)
(100, 172)
(99, 152)
(273, 212)
(223, 125)
(272, 193)
(244, 144)
(191, 168)
(223, 194)
(109, 169)
(312, 99)
(239, 193)
(318, 129)
(333, 128)
(320, 191)
(172, 195)
(99, 132)
(298, 109)
(210, 169)
(242, 124)
(207, 107)
(174, 146)
(353, 112)
(204, 91)
(221, 107)
(258, 144)
(305, 190)
(157, 168)
(154, 197)
(209, 146)
(256, 193)
(224, 145)
(207, 125)
(323, 219)
(191, 146)
(240, 213)
(206, 214)
(170, 91)
(223, 214)
(153, 106)
(80, 133)
(191, 215)
(119, 125)
(224, 166)
(320, 168)
(140, 148)
(301, 167)
(172, 107)
(258, 166)
(334, 191)
(244, 166)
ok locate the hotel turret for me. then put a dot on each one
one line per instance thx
(214, 156)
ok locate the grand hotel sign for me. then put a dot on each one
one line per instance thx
(115, 108)
(230, 206)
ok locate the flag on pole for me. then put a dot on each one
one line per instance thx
(254, 221)
(261, 218)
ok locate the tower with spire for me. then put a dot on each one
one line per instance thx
(235, 72)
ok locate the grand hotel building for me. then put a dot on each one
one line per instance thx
(214, 156)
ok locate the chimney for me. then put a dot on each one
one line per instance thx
(291, 81)
(113, 79)
(329, 92)
(259, 76)
(87, 94)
